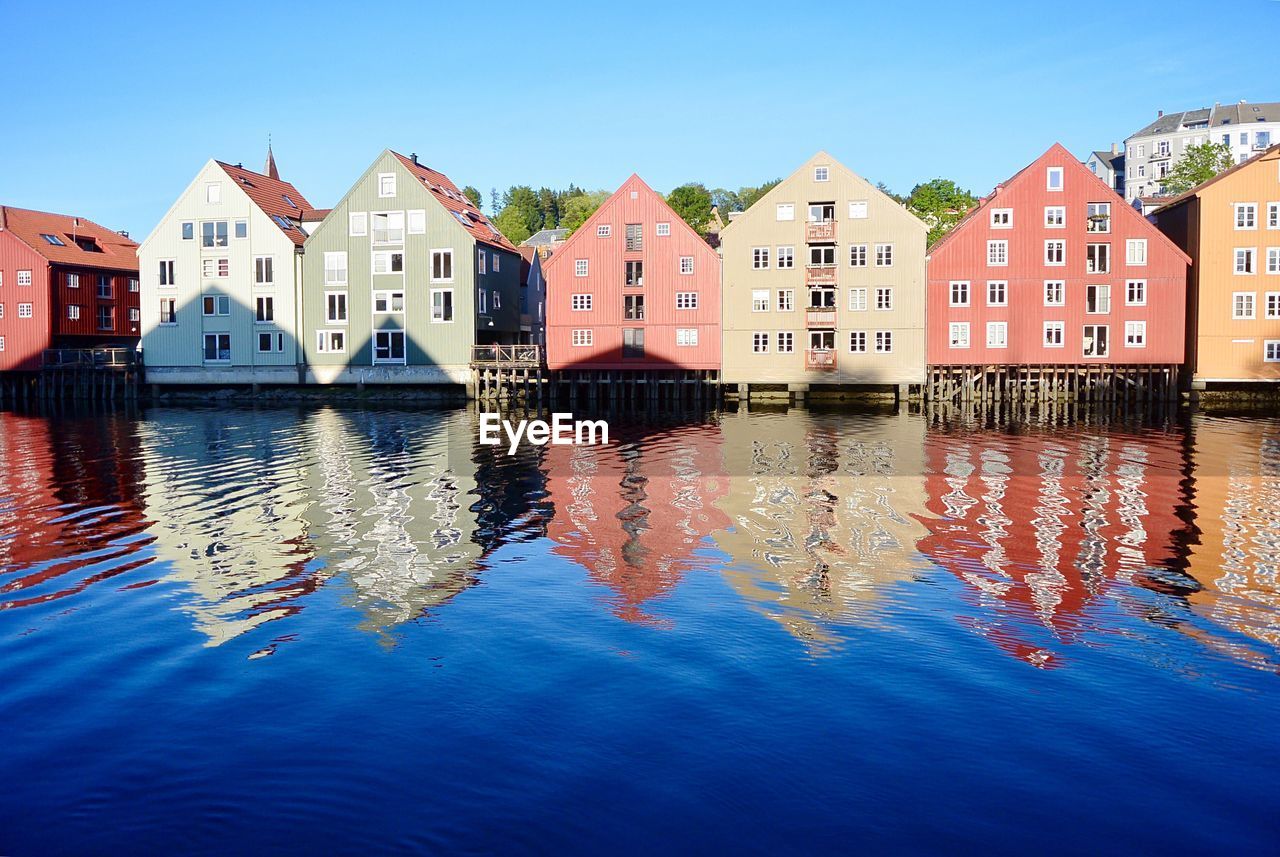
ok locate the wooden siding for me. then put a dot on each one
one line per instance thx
(85, 330)
(633, 203)
(962, 256)
(24, 338)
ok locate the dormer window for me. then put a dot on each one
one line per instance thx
(88, 245)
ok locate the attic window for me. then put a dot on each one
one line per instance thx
(53, 239)
(88, 245)
(292, 204)
(244, 181)
(462, 218)
(282, 222)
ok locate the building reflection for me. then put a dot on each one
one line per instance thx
(823, 515)
(636, 513)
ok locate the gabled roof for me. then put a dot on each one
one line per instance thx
(1108, 158)
(277, 199)
(463, 210)
(1198, 189)
(1241, 113)
(118, 252)
(544, 236)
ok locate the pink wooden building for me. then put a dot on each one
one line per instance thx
(1054, 269)
(633, 288)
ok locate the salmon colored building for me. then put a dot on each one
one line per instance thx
(65, 282)
(634, 288)
(1054, 269)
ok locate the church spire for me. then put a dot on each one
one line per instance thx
(271, 170)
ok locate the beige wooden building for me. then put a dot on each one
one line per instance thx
(824, 284)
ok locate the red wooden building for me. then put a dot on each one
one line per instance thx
(1053, 269)
(634, 288)
(65, 282)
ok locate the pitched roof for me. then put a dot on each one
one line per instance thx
(1195, 191)
(1108, 158)
(544, 236)
(1241, 113)
(117, 251)
(277, 199)
(448, 195)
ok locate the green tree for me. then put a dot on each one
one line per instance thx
(521, 215)
(1197, 165)
(693, 203)
(940, 203)
(472, 194)
(749, 196)
(884, 189)
(578, 208)
(549, 203)
(494, 207)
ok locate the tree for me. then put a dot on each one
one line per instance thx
(578, 208)
(749, 196)
(693, 203)
(521, 215)
(940, 203)
(1197, 165)
(884, 189)
(494, 208)
(472, 194)
(549, 204)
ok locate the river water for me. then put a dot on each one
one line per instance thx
(355, 630)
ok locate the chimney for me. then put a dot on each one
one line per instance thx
(1159, 114)
(1115, 148)
(124, 234)
(414, 157)
(1, 218)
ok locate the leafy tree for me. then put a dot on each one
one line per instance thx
(884, 189)
(578, 208)
(1197, 165)
(940, 203)
(521, 214)
(693, 203)
(472, 194)
(749, 196)
(494, 208)
(549, 203)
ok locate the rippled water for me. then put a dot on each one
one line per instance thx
(335, 631)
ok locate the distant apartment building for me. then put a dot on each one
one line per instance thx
(634, 288)
(402, 278)
(824, 284)
(1230, 227)
(1053, 269)
(65, 282)
(1108, 166)
(221, 280)
(1151, 152)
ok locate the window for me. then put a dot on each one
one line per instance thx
(386, 184)
(264, 270)
(1053, 179)
(1097, 299)
(73, 281)
(786, 257)
(268, 342)
(633, 273)
(884, 298)
(357, 226)
(482, 302)
(391, 262)
(215, 268)
(1099, 217)
(858, 341)
(884, 255)
(1135, 334)
(266, 310)
(133, 284)
(759, 300)
(958, 334)
(663, 230)
(1055, 293)
(686, 264)
(335, 307)
(73, 312)
(959, 293)
(1242, 305)
(821, 174)
(213, 233)
(480, 259)
(53, 239)
(216, 305)
(686, 336)
(1095, 340)
(388, 227)
(188, 231)
(759, 258)
(1135, 251)
(686, 300)
(822, 256)
(24, 278)
(580, 303)
(1270, 350)
(786, 342)
(1273, 215)
(579, 267)
(387, 302)
(331, 341)
(1273, 304)
(417, 222)
(604, 230)
(441, 305)
(1246, 215)
(217, 347)
(857, 300)
(1055, 217)
(1002, 218)
(1244, 261)
(1135, 293)
(388, 346)
(760, 343)
(997, 334)
(1097, 258)
(213, 193)
(166, 274)
(632, 342)
(857, 255)
(633, 307)
(1, 343)
(24, 310)
(858, 209)
(786, 300)
(997, 293)
(105, 288)
(822, 298)
(335, 268)
(635, 237)
(884, 341)
(168, 311)
(786, 211)
(241, 229)
(442, 266)
(997, 252)
(1053, 331)
(582, 338)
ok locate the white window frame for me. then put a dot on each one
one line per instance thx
(221, 306)
(386, 185)
(858, 300)
(857, 255)
(884, 298)
(481, 258)
(822, 173)
(1061, 288)
(686, 300)
(1138, 327)
(1135, 252)
(662, 230)
(1129, 288)
(1055, 217)
(582, 338)
(442, 253)
(581, 302)
(25, 310)
(1049, 180)
(1273, 215)
(786, 342)
(1002, 218)
(1004, 292)
(686, 266)
(785, 256)
(581, 267)
(1271, 305)
(1096, 327)
(958, 293)
(1244, 306)
(415, 221)
(324, 341)
(958, 334)
(759, 342)
(858, 209)
(604, 230)
(267, 301)
(216, 336)
(997, 334)
(1273, 260)
(335, 266)
(759, 258)
(1246, 216)
(786, 300)
(258, 267)
(857, 342)
(998, 253)
(884, 255)
(884, 342)
(1249, 255)
(213, 193)
(357, 224)
(1061, 328)
(394, 361)
(1102, 292)
(453, 309)
(388, 296)
(786, 211)
(1048, 261)
(759, 300)
(346, 307)
(686, 337)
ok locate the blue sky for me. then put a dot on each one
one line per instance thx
(111, 112)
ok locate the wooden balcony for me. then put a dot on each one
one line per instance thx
(821, 317)
(522, 356)
(819, 275)
(819, 231)
(89, 358)
(820, 359)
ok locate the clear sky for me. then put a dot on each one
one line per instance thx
(111, 109)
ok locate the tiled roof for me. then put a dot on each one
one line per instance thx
(447, 193)
(118, 252)
(314, 215)
(277, 199)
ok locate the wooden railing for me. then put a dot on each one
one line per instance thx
(820, 230)
(820, 358)
(89, 358)
(820, 275)
(821, 316)
(506, 355)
